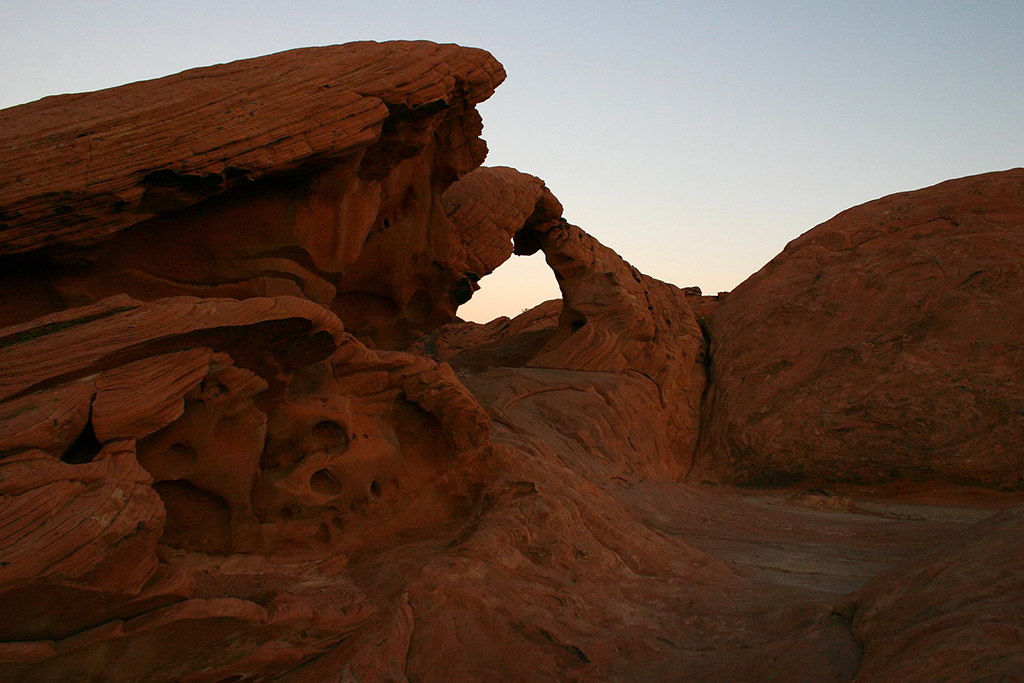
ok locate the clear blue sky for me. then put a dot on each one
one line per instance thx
(695, 138)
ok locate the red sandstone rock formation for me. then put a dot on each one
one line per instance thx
(612, 319)
(885, 343)
(490, 206)
(209, 489)
(260, 426)
(954, 614)
(249, 486)
(315, 173)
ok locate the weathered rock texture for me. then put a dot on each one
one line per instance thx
(260, 427)
(222, 460)
(491, 205)
(637, 332)
(954, 614)
(314, 173)
(202, 488)
(885, 343)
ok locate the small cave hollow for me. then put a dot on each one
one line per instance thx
(84, 448)
(324, 483)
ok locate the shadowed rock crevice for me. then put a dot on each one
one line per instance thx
(84, 448)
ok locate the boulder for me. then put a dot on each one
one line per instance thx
(886, 343)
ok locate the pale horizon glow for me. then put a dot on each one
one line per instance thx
(517, 285)
(694, 138)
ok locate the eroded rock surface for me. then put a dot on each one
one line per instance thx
(238, 440)
(885, 343)
(954, 614)
(490, 206)
(620, 338)
(314, 173)
(212, 427)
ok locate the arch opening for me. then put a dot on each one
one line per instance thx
(517, 285)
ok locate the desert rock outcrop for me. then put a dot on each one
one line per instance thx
(631, 339)
(490, 205)
(954, 614)
(243, 437)
(314, 173)
(211, 427)
(243, 479)
(885, 343)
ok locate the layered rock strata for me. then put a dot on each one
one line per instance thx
(315, 173)
(490, 206)
(631, 339)
(244, 480)
(221, 459)
(149, 445)
(213, 428)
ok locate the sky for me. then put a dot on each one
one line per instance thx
(694, 138)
